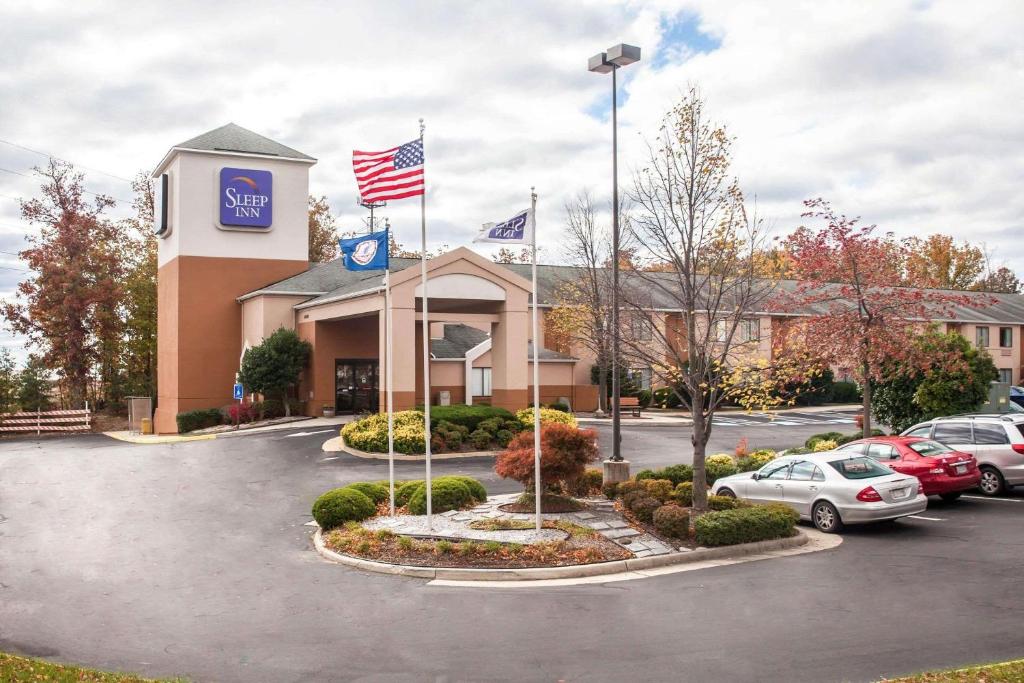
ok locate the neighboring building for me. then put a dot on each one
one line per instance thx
(233, 268)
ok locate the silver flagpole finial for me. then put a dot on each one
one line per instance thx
(422, 127)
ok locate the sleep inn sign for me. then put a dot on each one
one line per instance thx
(246, 198)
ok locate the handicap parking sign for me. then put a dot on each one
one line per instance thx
(238, 391)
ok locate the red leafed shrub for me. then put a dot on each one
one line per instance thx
(239, 413)
(564, 453)
(858, 419)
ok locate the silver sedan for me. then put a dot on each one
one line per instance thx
(830, 489)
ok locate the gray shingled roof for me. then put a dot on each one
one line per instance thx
(458, 339)
(331, 280)
(233, 138)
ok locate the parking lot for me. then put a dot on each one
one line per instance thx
(194, 559)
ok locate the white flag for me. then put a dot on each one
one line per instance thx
(516, 230)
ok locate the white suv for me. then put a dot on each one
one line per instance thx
(995, 441)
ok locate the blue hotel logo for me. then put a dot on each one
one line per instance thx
(246, 197)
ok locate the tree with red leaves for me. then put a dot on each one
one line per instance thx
(564, 453)
(69, 306)
(849, 288)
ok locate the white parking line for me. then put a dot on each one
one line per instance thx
(927, 519)
(1003, 500)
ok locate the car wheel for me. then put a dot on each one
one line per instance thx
(992, 483)
(826, 517)
(726, 493)
(950, 497)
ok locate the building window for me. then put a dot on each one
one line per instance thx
(481, 381)
(640, 327)
(750, 330)
(1006, 375)
(642, 377)
(1005, 337)
(981, 337)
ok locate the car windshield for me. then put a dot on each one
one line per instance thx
(860, 468)
(930, 448)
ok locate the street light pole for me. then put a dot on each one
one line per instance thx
(614, 58)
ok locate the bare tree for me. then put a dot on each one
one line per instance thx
(582, 300)
(696, 253)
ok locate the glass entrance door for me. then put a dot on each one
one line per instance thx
(356, 386)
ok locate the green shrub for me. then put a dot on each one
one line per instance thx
(504, 437)
(371, 433)
(644, 396)
(726, 503)
(469, 417)
(755, 460)
(594, 479)
(857, 435)
(674, 473)
(375, 492)
(666, 398)
(631, 497)
(198, 419)
(846, 392)
(452, 439)
(610, 490)
(491, 425)
(825, 436)
(404, 492)
(799, 450)
(626, 487)
(445, 495)
(672, 520)
(657, 488)
(338, 506)
(684, 493)
(743, 525)
(547, 415)
(718, 466)
(480, 439)
(476, 489)
(563, 407)
(644, 508)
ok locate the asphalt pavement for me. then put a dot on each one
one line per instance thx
(194, 559)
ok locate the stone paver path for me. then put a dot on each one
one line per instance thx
(601, 516)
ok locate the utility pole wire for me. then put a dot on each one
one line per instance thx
(88, 168)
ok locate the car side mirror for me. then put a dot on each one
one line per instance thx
(755, 475)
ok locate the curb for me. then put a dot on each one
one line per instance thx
(156, 439)
(338, 445)
(570, 572)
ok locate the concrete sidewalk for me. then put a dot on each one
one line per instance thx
(677, 417)
(309, 423)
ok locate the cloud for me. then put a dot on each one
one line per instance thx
(903, 112)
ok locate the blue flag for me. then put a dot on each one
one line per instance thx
(369, 252)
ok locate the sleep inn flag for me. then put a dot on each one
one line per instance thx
(516, 230)
(368, 252)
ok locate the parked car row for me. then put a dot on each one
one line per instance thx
(888, 477)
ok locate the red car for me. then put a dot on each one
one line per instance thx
(942, 471)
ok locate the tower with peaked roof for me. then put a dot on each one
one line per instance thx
(232, 217)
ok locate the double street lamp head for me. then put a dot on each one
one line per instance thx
(614, 57)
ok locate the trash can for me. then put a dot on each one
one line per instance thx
(146, 425)
(444, 398)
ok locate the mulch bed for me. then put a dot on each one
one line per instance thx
(549, 504)
(387, 547)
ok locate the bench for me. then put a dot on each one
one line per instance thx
(631, 402)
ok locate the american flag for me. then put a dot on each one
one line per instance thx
(392, 174)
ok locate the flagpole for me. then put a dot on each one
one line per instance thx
(426, 335)
(537, 489)
(389, 379)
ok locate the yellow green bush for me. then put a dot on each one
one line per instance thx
(547, 415)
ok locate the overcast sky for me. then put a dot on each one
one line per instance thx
(906, 113)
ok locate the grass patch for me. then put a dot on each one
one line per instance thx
(1005, 672)
(574, 530)
(26, 669)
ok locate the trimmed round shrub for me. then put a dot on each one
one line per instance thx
(672, 520)
(644, 508)
(610, 490)
(476, 489)
(743, 525)
(677, 474)
(437, 444)
(338, 506)
(684, 494)
(404, 492)
(371, 433)
(375, 492)
(824, 445)
(452, 439)
(628, 486)
(726, 503)
(547, 416)
(594, 479)
(504, 437)
(646, 474)
(718, 466)
(657, 488)
(491, 425)
(445, 495)
(632, 497)
(480, 439)
(824, 436)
